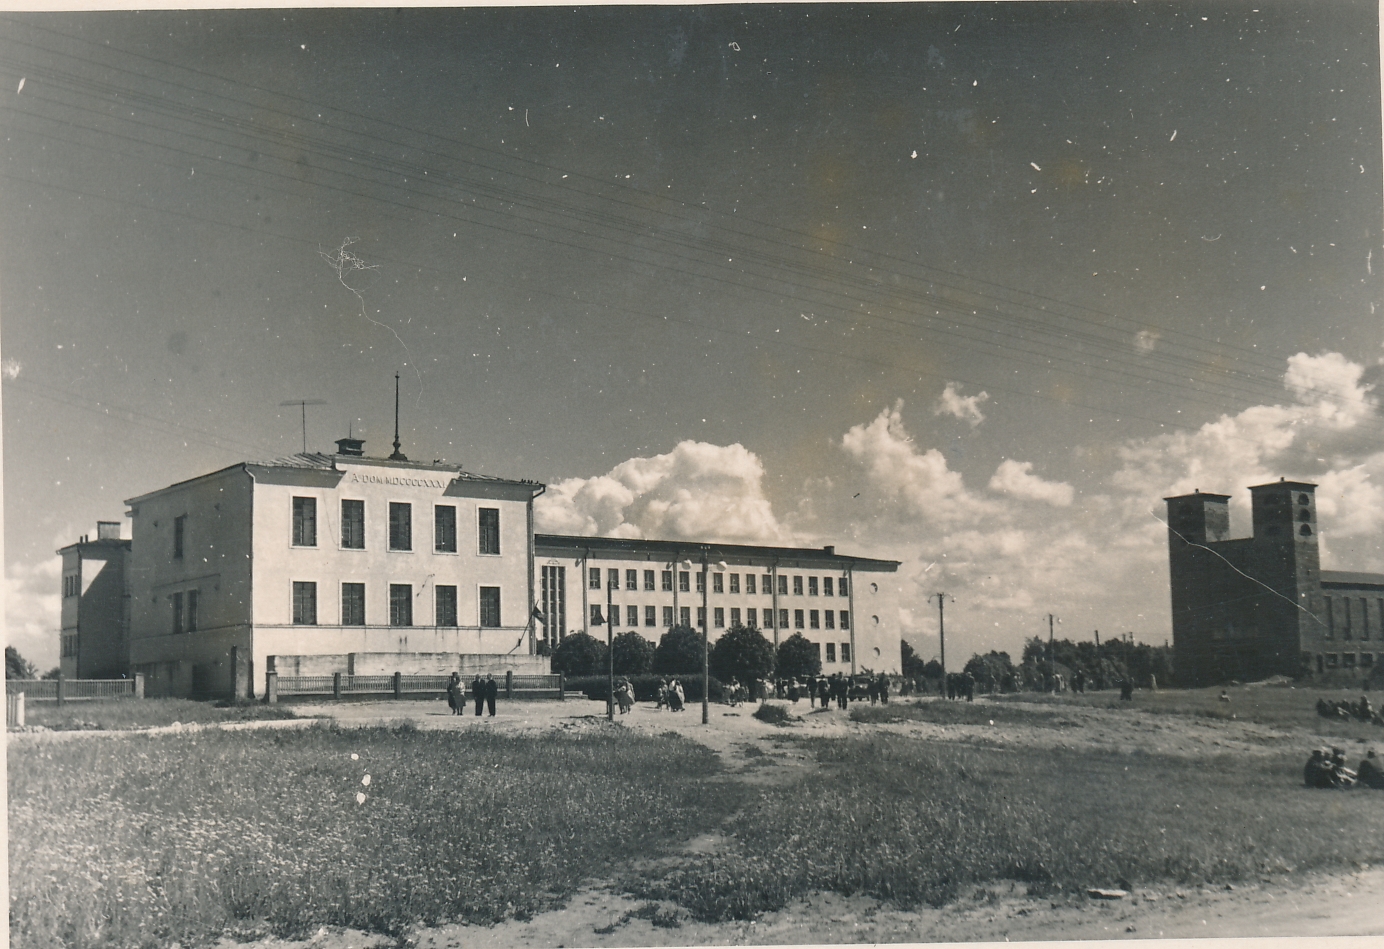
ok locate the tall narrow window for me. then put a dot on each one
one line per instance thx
(735, 583)
(684, 581)
(749, 583)
(649, 581)
(685, 615)
(783, 585)
(489, 522)
(446, 605)
(735, 616)
(1364, 618)
(192, 611)
(701, 581)
(797, 586)
(718, 617)
(668, 617)
(490, 606)
(752, 617)
(650, 616)
(445, 533)
(304, 603)
(826, 586)
(667, 581)
(1330, 618)
(831, 652)
(353, 604)
(400, 527)
(797, 619)
(845, 620)
(768, 619)
(845, 652)
(179, 535)
(613, 578)
(631, 581)
(596, 619)
(554, 594)
(718, 583)
(701, 616)
(594, 581)
(353, 525)
(177, 600)
(305, 522)
(615, 613)
(400, 604)
(830, 617)
(631, 616)
(812, 620)
(811, 586)
(841, 588)
(783, 619)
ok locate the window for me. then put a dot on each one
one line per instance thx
(400, 526)
(1348, 660)
(353, 525)
(841, 588)
(353, 604)
(594, 578)
(304, 603)
(718, 617)
(649, 581)
(845, 652)
(667, 617)
(613, 578)
(749, 583)
(797, 586)
(826, 587)
(651, 616)
(446, 602)
(830, 617)
(445, 532)
(783, 586)
(1330, 619)
(798, 619)
(667, 581)
(400, 604)
(685, 615)
(631, 616)
(831, 652)
(735, 583)
(554, 599)
(701, 581)
(177, 600)
(69, 646)
(811, 586)
(783, 619)
(818, 647)
(490, 607)
(813, 620)
(615, 613)
(752, 617)
(488, 524)
(596, 618)
(735, 616)
(701, 616)
(684, 581)
(718, 583)
(69, 585)
(192, 611)
(1332, 660)
(305, 522)
(179, 535)
(1366, 659)
(768, 586)
(631, 581)
(1345, 617)
(1364, 618)
(845, 620)
(768, 619)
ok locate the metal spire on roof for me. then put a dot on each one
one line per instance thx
(398, 455)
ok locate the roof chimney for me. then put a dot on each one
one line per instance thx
(107, 530)
(831, 550)
(350, 446)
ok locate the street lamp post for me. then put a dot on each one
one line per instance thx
(610, 649)
(706, 649)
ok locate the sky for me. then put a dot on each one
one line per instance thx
(972, 287)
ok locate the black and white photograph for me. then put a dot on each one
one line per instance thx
(730, 474)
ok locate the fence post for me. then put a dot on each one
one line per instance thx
(561, 686)
(336, 685)
(509, 684)
(62, 683)
(271, 687)
(19, 710)
(398, 685)
(139, 685)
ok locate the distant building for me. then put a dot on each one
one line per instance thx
(1248, 608)
(847, 606)
(324, 563)
(94, 607)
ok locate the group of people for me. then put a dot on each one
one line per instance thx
(837, 687)
(1326, 768)
(670, 695)
(484, 691)
(1360, 711)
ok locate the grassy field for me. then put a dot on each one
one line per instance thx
(915, 822)
(147, 840)
(119, 714)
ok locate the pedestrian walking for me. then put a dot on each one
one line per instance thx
(492, 692)
(456, 694)
(478, 693)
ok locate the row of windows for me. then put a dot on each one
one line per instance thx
(184, 605)
(720, 582)
(1349, 660)
(400, 604)
(400, 526)
(1340, 616)
(71, 585)
(69, 645)
(802, 619)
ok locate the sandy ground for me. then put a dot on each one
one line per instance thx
(1322, 908)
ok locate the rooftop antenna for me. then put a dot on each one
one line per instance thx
(303, 404)
(398, 455)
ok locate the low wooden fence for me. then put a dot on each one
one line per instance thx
(60, 690)
(512, 686)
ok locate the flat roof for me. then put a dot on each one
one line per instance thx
(1352, 578)
(715, 551)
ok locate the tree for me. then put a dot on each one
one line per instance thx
(580, 654)
(632, 653)
(993, 672)
(913, 665)
(679, 652)
(932, 669)
(743, 654)
(797, 658)
(17, 667)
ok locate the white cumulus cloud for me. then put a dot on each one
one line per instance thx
(32, 610)
(1016, 478)
(964, 407)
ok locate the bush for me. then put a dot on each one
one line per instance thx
(679, 653)
(579, 654)
(773, 713)
(797, 658)
(645, 687)
(633, 654)
(742, 653)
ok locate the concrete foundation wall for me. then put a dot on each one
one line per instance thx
(381, 663)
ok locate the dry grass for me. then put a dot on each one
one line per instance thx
(915, 822)
(146, 840)
(121, 714)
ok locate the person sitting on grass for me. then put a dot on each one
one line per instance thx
(1369, 773)
(1317, 772)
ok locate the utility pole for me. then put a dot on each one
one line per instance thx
(1052, 656)
(942, 634)
(610, 647)
(706, 649)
